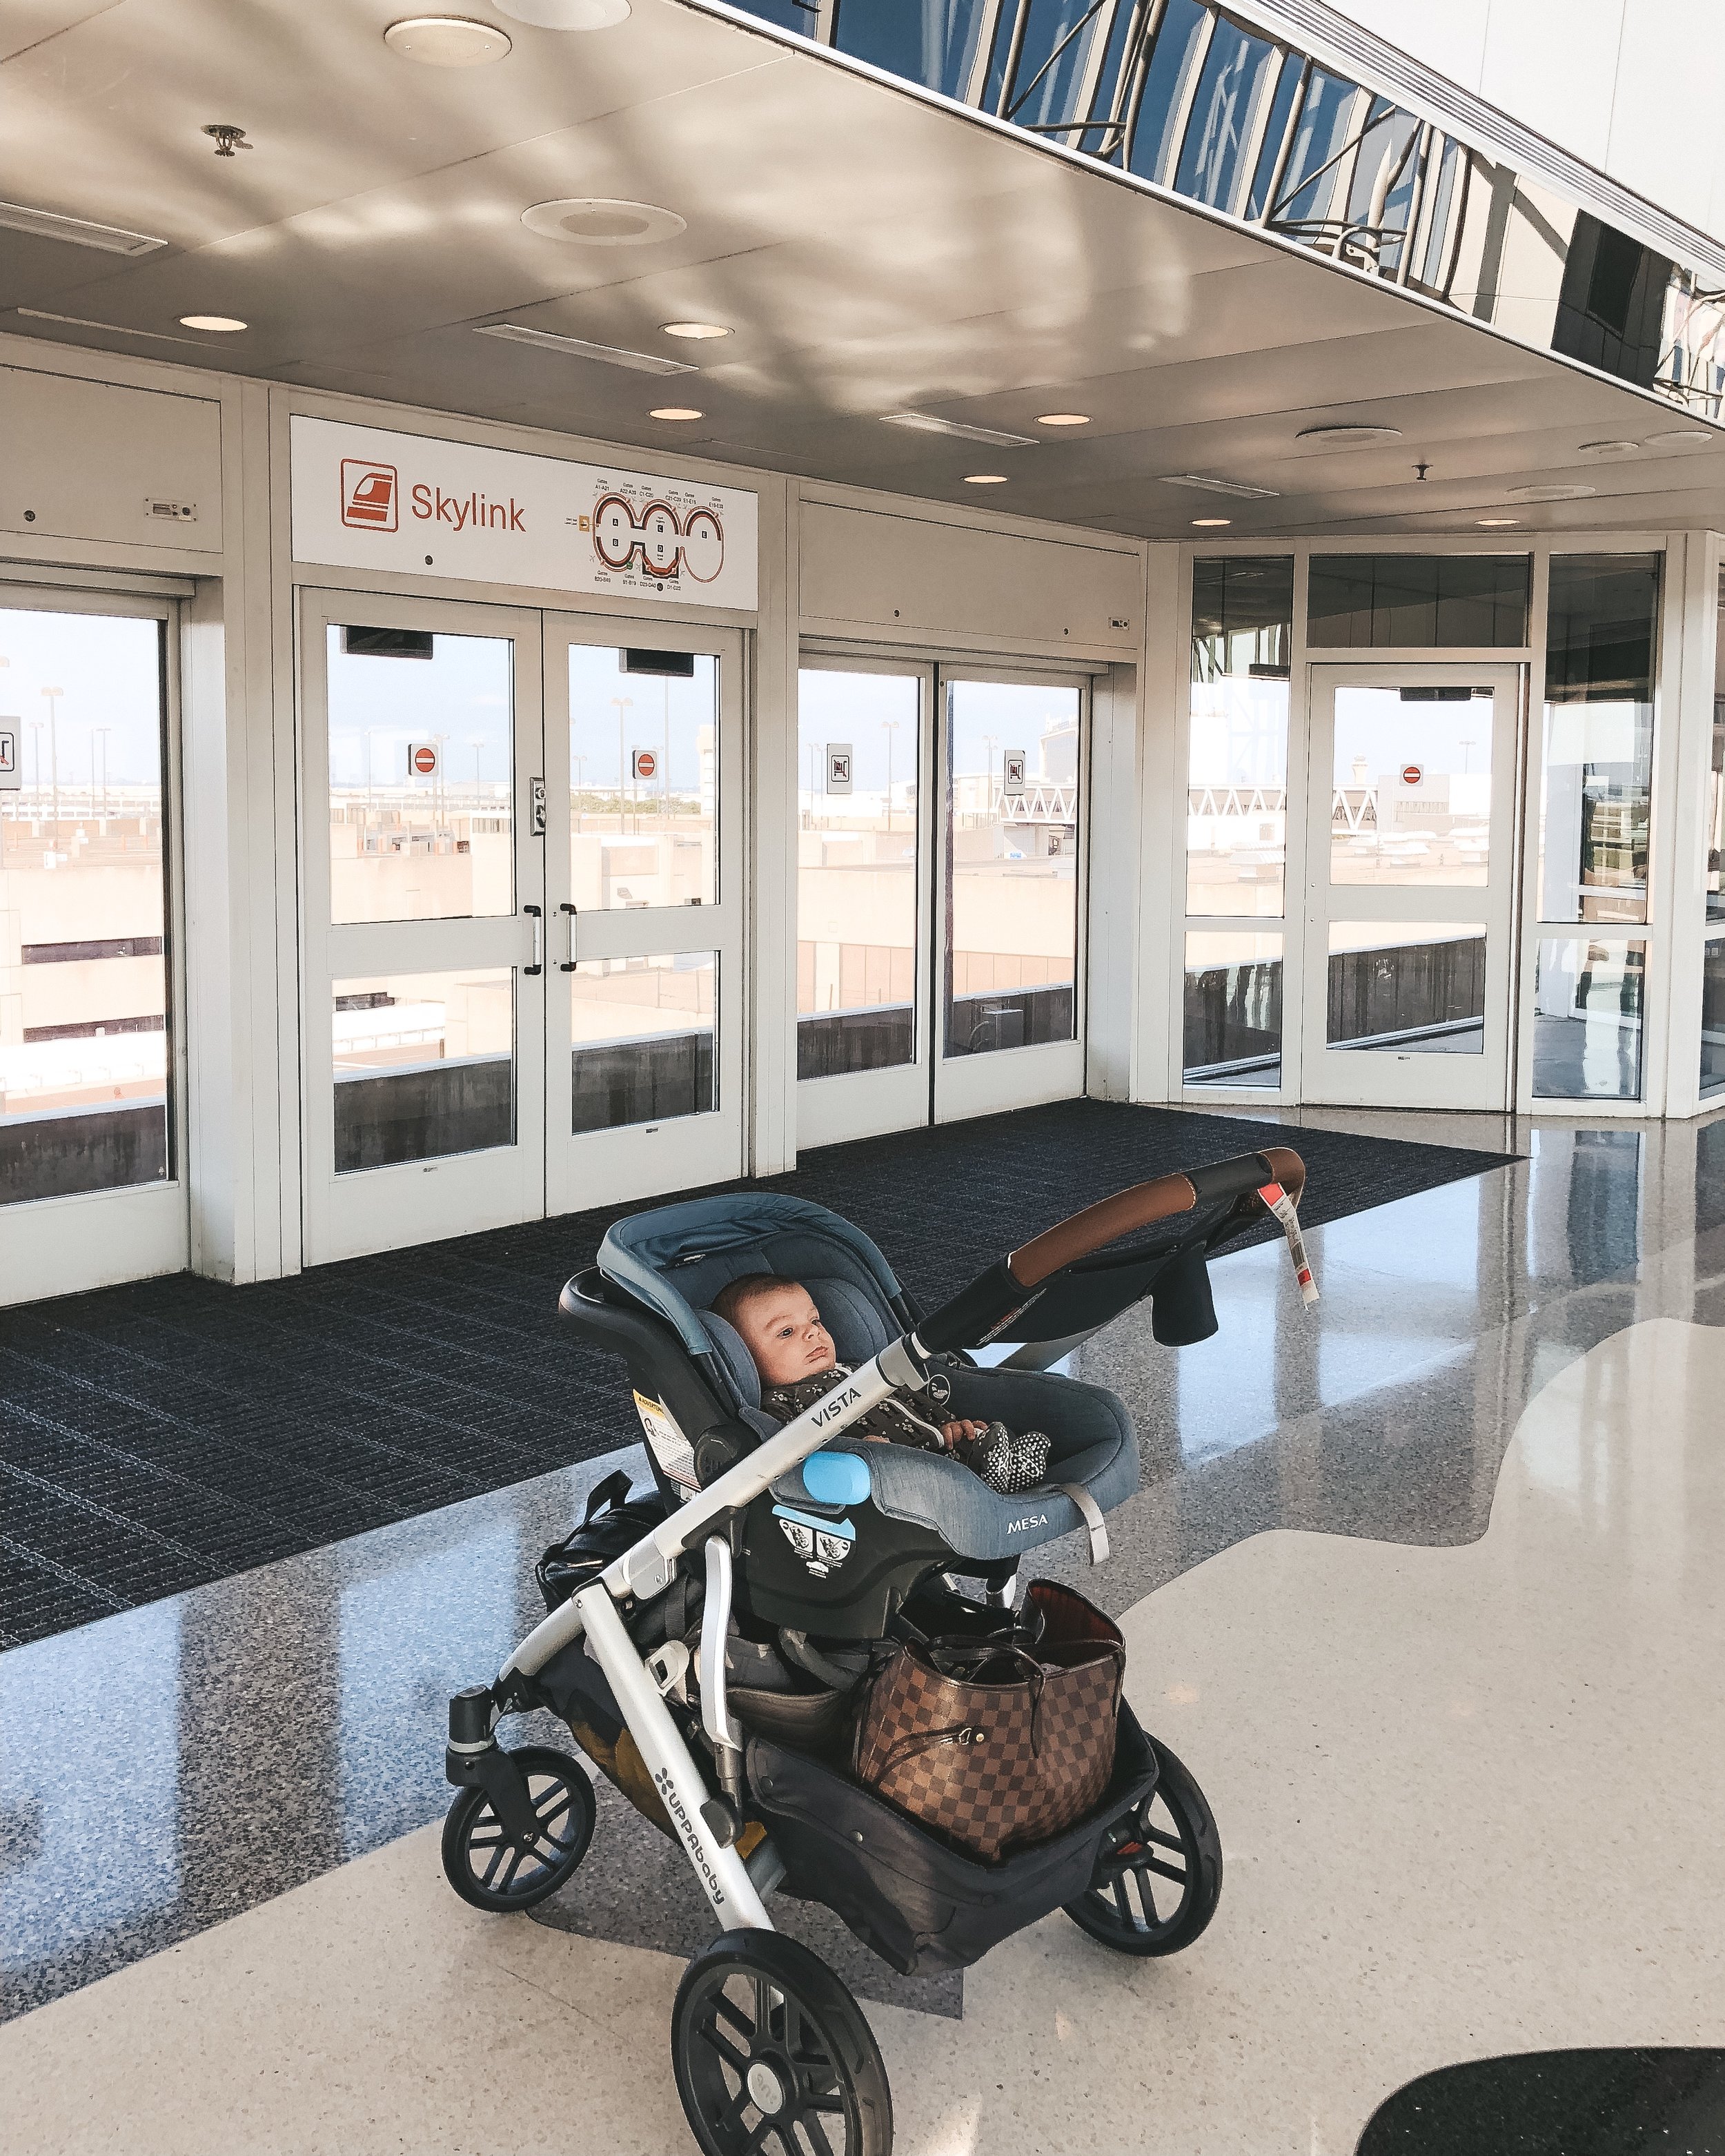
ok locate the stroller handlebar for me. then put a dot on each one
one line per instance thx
(977, 1313)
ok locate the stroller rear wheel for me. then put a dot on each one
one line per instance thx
(773, 2054)
(1159, 1873)
(490, 1867)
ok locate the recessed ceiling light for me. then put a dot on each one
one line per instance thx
(925, 422)
(565, 14)
(1495, 523)
(1063, 418)
(1607, 449)
(985, 479)
(223, 325)
(1680, 434)
(675, 412)
(1347, 435)
(612, 355)
(1210, 523)
(1549, 493)
(594, 221)
(1221, 486)
(47, 224)
(446, 41)
(694, 329)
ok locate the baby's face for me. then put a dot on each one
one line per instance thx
(783, 1333)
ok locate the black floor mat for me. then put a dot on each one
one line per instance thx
(174, 1431)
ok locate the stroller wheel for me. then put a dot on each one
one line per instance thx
(1159, 1873)
(773, 2054)
(487, 1866)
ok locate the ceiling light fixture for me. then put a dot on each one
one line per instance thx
(1347, 435)
(1210, 523)
(593, 221)
(985, 479)
(675, 412)
(612, 355)
(1221, 486)
(693, 329)
(1495, 523)
(565, 14)
(221, 324)
(1063, 418)
(47, 224)
(925, 422)
(1680, 434)
(1607, 449)
(448, 41)
(1549, 493)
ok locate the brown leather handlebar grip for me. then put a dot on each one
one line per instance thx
(1145, 1204)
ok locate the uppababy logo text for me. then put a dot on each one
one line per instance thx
(691, 1835)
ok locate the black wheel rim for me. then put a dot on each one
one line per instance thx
(1147, 1873)
(761, 2070)
(503, 1868)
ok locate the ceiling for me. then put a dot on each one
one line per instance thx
(870, 251)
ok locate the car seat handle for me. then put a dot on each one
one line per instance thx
(1145, 1204)
(995, 1299)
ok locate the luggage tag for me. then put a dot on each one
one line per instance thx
(1282, 1206)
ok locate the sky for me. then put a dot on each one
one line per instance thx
(110, 667)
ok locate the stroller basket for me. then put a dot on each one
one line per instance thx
(921, 1905)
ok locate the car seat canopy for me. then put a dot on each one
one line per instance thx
(677, 1258)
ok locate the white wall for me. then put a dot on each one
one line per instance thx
(1633, 86)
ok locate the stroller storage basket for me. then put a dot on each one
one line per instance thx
(921, 1905)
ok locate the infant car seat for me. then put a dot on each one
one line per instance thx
(872, 1532)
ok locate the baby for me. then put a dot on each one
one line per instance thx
(779, 1324)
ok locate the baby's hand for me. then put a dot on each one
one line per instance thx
(954, 1432)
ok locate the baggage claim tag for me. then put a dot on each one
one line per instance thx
(1280, 1203)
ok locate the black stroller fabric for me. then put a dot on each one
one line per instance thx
(921, 1905)
(614, 1521)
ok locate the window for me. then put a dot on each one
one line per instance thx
(1599, 737)
(1587, 1023)
(86, 1033)
(1236, 771)
(644, 1040)
(1447, 602)
(932, 42)
(1233, 1014)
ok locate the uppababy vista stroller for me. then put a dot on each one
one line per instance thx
(702, 1636)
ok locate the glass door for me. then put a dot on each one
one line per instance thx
(864, 899)
(423, 1014)
(941, 880)
(1012, 882)
(645, 896)
(91, 1054)
(1410, 877)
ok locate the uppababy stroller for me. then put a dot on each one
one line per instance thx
(702, 1635)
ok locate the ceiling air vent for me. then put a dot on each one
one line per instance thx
(47, 224)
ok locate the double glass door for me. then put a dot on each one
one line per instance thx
(522, 914)
(1410, 875)
(940, 894)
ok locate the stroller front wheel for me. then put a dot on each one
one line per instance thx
(490, 1867)
(1159, 1873)
(772, 2053)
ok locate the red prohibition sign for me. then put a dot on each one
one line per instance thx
(1412, 774)
(646, 763)
(425, 761)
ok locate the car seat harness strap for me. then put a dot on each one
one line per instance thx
(1091, 1514)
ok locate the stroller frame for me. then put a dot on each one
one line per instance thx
(1046, 1296)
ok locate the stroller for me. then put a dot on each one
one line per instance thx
(701, 1636)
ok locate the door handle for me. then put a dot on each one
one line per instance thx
(568, 964)
(538, 920)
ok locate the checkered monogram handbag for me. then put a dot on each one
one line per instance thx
(998, 1743)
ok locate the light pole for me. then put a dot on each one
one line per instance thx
(103, 732)
(53, 697)
(625, 704)
(889, 727)
(580, 764)
(664, 768)
(476, 742)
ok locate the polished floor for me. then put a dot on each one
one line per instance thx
(1423, 1584)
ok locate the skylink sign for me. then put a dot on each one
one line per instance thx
(365, 498)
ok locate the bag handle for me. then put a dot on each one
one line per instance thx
(612, 1492)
